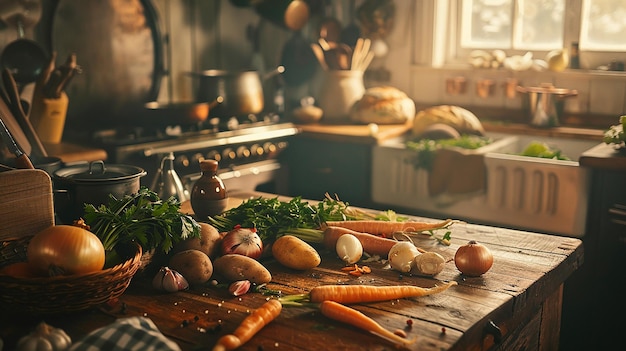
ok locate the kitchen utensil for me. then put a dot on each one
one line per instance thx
(290, 14)
(24, 58)
(92, 183)
(298, 59)
(352, 32)
(544, 104)
(319, 55)
(20, 115)
(167, 183)
(178, 113)
(242, 91)
(330, 30)
(14, 128)
(22, 159)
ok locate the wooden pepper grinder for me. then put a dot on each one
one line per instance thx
(208, 195)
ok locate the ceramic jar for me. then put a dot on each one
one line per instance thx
(208, 195)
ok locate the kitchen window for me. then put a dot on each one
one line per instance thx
(441, 51)
(538, 26)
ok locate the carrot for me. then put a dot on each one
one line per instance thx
(345, 314)
(250, 326)
(371, 293)
(387, 228)
(372, 244)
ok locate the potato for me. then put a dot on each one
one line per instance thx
(235, 267)
(295, 253)
(208, 242)
(194, 265)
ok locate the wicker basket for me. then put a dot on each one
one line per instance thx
(44, 295)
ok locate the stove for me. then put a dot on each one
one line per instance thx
(247, 149)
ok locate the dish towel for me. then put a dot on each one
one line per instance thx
(132, 333)
(456, 174)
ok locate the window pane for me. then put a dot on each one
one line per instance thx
(539, 24)
(603, 25)
(486, 23)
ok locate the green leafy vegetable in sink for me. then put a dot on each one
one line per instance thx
(143, 218)
(425, 148)
(615, 134)
(543, 150)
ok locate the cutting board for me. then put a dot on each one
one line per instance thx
(26, 203)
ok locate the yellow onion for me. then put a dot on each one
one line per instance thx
(65, 250)
(473, 259)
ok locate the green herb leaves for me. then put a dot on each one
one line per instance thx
(272, 217)
(144, 218)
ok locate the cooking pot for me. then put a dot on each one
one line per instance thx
(92, 183)
(544, 104)
(242, 91)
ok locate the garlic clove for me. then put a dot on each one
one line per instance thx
(429, 263)
(239, 288)
(169, 280)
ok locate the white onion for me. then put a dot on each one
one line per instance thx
(349, 248)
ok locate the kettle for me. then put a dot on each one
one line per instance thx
(167, 183)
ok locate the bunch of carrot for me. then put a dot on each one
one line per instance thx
(330, 300)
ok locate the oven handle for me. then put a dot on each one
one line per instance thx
(238, 139)
(241, 171)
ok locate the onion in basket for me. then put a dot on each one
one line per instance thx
(65, 250)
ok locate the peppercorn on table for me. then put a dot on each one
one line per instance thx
(515, 305)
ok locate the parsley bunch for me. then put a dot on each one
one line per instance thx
(143, 218)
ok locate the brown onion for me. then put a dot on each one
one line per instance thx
(473, 259)
(66, 250)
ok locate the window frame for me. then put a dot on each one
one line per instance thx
(450, 13)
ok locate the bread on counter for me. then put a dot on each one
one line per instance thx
(383, 105)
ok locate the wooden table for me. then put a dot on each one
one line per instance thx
(516, 305)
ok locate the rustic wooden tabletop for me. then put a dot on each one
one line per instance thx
(514, 305)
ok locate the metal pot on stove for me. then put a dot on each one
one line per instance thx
(91, 183)
(242, 92)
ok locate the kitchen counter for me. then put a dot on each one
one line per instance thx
(354, 133)
(71, 152)
(516, 305)
(360, 133)
(604, 157)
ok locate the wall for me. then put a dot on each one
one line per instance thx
(200, 34)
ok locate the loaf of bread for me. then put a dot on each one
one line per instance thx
(464, 121)
(383, 105)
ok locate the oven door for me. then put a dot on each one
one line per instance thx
(265, 176)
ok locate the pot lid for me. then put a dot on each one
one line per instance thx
(97, 171)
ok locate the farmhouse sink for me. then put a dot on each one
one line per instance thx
(521, 192)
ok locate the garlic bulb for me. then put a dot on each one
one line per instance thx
(45, 338)
(169, 280)
(429, 263)
(402, 256)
